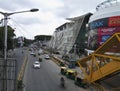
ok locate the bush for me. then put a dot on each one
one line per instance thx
(65, 57)
(20, 84)
(40, 59)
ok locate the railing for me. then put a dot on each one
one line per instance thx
(102, 64)
(105, 4)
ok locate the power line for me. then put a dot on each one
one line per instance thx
(22, 30)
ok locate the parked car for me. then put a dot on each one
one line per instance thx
(36, 64)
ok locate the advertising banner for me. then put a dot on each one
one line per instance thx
(105, 33)
(114, 21)
(99, 23)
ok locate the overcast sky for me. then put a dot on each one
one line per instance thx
(51, 14)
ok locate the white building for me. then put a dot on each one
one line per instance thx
(70, 37)
(104, 23)
(61, 40)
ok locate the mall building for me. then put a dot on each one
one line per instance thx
(88, 31)
(104, 23)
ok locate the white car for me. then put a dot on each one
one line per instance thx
(47, 57)
(40, 52)
(36, 64)
(32, 53)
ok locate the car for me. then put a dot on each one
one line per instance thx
(47, 57)
(40, 52)
(32, 53)
(36, 64)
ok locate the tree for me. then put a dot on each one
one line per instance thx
(42, 38)
(9, 38)
(27, 42)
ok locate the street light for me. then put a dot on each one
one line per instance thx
(5, 41)
(5, 24)
(75, 51)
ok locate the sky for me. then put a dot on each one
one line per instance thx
(51, 14)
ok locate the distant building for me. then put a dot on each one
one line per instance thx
(20, 41)
(71, 36)
(104, 23)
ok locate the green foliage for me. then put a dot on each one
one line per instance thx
(10, 35)
(42, 37)
(27, 42)
(1, 38)
(40, 59)
(20, 84)
(65, 57)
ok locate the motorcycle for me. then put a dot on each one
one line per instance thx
(62, 82)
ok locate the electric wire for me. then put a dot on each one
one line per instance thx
(17, 29)
(23, 31)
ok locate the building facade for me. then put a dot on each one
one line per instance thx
(104, 23)
(71, 36)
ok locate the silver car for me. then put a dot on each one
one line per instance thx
(47, 56)
(36, 64)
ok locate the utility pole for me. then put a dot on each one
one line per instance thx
(5, 85)
(75, 51)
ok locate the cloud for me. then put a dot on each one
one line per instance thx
(51, 14)
(77, 7)
(12, 5)
(34, 18)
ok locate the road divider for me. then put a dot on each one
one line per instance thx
(58, 61)
(21, 73)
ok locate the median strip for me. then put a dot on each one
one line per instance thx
(20, 75)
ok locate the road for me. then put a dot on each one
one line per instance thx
(47, 78)
(19, 58)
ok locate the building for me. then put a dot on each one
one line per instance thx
(71, 36)
(61, 38)
(104, 23)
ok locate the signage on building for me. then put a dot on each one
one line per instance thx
(105, 33)
(99, 23)
(114, 21)
(105, 22)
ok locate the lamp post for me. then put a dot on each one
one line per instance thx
(5, 41)
(5, 24)
(75, 51)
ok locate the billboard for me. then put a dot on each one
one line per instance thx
(113, 21)
(105, 33)
(99, 23)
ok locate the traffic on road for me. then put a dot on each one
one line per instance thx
(47, 78)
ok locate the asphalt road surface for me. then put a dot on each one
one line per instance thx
(47, 78)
